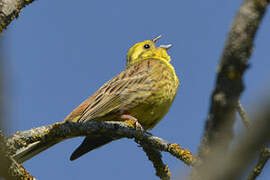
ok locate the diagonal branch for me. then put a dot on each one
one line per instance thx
(218, 132)
(10, 9)
(229, 83)
(263, 158)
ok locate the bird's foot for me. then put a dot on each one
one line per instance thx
(134, 121)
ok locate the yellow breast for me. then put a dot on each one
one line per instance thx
(164, 88)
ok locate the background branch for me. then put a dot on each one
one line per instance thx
(263, 158)
(218, 132)
(264, 152)
(10, 9)
(229, 84)
(233, 164)
(243, 114)
(9, 168)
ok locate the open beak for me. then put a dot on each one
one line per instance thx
(166, 46)
(157, 38)
(162, 46)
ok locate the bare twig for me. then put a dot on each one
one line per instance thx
(264, 153)
(229, 84)
(263, 158)
(10, 9)
(243, 114)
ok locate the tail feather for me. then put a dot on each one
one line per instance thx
(88, 144)
(31, 150)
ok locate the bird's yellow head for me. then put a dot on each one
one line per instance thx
(147, 49)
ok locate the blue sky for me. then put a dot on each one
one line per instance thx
(58, 53)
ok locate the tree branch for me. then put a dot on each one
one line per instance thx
(33, 141)
(263, 158)
(231, 165)
(229, 84)
(218, 132)
(10, 9)
(162, 170)
(9, 168)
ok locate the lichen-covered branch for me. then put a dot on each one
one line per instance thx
(10, 9)
(162, 170)
(33, 141)
(229, 83)
(9, 168)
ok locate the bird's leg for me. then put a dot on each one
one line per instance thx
(127, 117)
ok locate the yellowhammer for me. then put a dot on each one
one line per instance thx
(143, 92)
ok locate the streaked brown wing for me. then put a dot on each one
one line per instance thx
(118, 93)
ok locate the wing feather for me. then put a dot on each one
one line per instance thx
(116, 94)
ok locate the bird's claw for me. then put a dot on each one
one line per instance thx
(138, 126)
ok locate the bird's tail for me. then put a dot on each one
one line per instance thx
(88, 144)
(35, 148)
(31, 150)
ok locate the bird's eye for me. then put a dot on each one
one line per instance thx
(146, 46)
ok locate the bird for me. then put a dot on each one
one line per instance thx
(143, 93)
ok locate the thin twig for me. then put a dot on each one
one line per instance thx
(264, 153)
(243, 114)
(263, 158)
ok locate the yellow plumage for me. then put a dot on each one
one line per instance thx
(145, 90)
